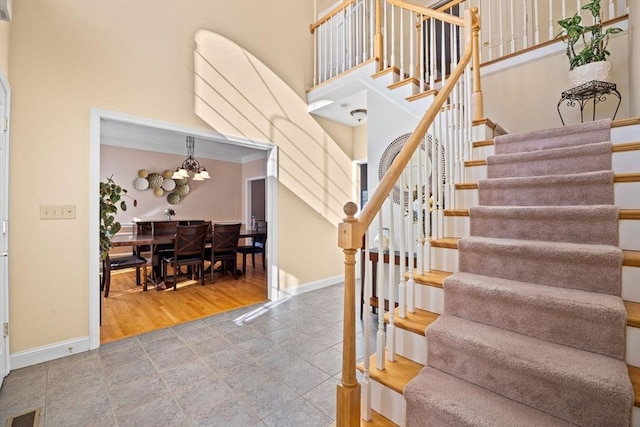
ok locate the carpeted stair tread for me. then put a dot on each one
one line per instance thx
(556, 161)
(585, 320)
(413, 322)
(589, 188)
(595, 268)
(435, 398)
(566, 136)
(395, 375)
(553, 378)
(595, 224)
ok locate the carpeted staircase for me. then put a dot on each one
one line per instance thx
(533, 329)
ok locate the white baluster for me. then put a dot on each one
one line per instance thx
(391, 329)
(393, 37)
(365, 408)
(350, 35)
(411, 246)
(536, 23)
(412, 53)
(385, 35)
(364, 30)
(401, 35)
(423, 52)
(612, 9)
(525, 24)
(443, 56)
(501, 32)
(380, 338)
(402, 297)
(512, 20)
(332, 30)
(417, 205)
(489, 30)
(432, 55)
(551, 20)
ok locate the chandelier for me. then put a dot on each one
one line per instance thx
(191, 165)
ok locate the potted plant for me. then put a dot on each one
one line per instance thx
(110, 198)
(589, 63)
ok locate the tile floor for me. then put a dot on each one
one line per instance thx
(273, 364)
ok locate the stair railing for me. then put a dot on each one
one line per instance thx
(434, 153)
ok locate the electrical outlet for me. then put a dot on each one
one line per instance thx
(57, 211)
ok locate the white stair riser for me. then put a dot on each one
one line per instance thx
(388, 403)
(481, 153)
(626, 195)
(635, 417)
(632, 353)
(429, 298)
(625, 134)
(626, 161)
(464, 199)
(457, 226)
(475, 173)
(443, 259)
(412, 346)
(630, 283)
(481, 133)
(629, 232)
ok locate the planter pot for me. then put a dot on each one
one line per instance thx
(600, 70)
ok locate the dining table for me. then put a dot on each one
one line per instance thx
(133, 240)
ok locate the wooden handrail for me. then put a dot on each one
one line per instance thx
(352, 229)
(428, 12)
(330, 15)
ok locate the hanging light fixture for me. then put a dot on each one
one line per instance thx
(191, 165)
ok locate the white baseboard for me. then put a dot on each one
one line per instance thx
(311, 286)
(46, 353)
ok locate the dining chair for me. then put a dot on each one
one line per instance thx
(161, 228)
(120, 263)
(188, 250)
(224, 248)
(258, 246)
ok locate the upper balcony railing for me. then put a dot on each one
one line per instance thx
(359, 30)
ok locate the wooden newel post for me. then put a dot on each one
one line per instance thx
(477, 99)
(348, 392)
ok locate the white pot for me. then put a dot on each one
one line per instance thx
(600, 70)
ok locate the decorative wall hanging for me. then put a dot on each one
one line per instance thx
(390, 154)
(162, 184)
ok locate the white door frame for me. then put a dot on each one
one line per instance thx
(5, 92)
(94, 208)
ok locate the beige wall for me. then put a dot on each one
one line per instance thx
(215, 199)
(4, 47)
(634, 58)
(68, 56)
(525, 97)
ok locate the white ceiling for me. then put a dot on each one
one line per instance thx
(141, 137)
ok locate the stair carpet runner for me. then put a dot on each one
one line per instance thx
(533, 328)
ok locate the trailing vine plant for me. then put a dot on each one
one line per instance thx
(110, 199)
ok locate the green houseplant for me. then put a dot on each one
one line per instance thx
(110, 199)
(595, 41)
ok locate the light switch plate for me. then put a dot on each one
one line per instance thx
(57, 211)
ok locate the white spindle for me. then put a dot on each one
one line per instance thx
(380, 337)
(525, 24)
(385, 35)
(402, 297)
(417, 205)
(330, 45)
(391, 330)
(612, 9)
(401, 35)
(536, 23)
(393, 37)
(412, 35)
(432, 55)
(426, 265)
(551, 20)
(501, 28)
(365, 402)
(350, 35)
(411, 246)
(423, 52)
(489, 41)
(512, 21)
(443, 57)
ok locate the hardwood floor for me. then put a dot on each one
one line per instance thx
(129, 311)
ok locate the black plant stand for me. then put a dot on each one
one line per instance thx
(594, 90)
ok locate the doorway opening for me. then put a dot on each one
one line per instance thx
(98, 119)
